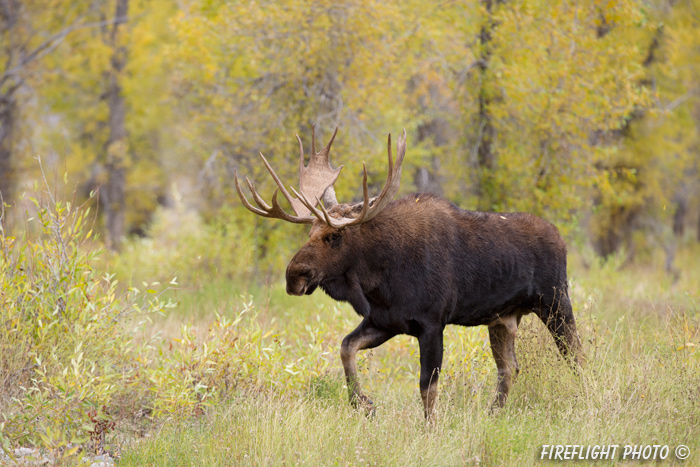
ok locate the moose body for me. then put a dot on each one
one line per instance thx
(421, 263)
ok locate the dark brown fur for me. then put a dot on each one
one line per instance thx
(422, 264)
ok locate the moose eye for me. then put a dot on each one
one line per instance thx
(333, 239)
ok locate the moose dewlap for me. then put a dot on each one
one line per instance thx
(414, 265)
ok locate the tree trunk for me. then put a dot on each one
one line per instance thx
(8, 107)
(8, 114)
(113, 194)
(681, 202)
(486, 132)
(427, 179)
(623, 220)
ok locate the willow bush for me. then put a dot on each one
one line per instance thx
(82, 356)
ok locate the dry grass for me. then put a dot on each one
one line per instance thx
(640, 386)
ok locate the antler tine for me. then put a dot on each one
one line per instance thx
(365, 193)
(245, 201)
(327, 150)
(272, 212)
(301, 155)
(326, 217)
(313, 140)
(401, 148)
(304, 200)
(390, 173)
(295, 204)
(389, 191)
(393, 179)
(279, 213)
(263, 205)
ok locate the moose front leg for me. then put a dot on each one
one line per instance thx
(431, 348)
(365, 336)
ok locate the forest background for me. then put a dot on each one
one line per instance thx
(123, 121)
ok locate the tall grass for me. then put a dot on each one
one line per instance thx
(242, 374)
(640, 386)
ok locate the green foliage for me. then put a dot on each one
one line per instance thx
(657, 160)
(76, 350)
(80, 352)
(549, 90)
(56, 315)
(233, 356)
(591, 121)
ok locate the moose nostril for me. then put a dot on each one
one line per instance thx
(297, 286)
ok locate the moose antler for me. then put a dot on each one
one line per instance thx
(316, 183)
(370, 208)
(319, 176)
(315, 179)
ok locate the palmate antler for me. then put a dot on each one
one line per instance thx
(315, 178)
(316, 183)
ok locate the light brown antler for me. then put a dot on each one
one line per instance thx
(370, 208)
(319, 176)
(314, 179)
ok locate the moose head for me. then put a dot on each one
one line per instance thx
(325, 256)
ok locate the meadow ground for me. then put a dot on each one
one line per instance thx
(242, 374)
(640, 386)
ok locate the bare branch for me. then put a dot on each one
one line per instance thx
(54, 41)
(679, 101)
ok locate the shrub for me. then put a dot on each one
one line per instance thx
(80, 353)
(68, 350)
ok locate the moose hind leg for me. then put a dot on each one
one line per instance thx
(502, 338)
(365, 336)
(558, 316)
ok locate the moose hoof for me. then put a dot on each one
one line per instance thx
(363, 403)
(497, 405)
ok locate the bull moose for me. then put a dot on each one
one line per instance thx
(414, 265)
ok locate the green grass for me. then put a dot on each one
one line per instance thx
(649, 398)
(241, 373)
(640, 385)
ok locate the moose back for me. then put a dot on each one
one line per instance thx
(414, 265)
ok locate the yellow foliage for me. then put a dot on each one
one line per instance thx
(590, 106)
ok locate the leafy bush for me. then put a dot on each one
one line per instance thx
(68, 346)
(233, 246)
(80, 354)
